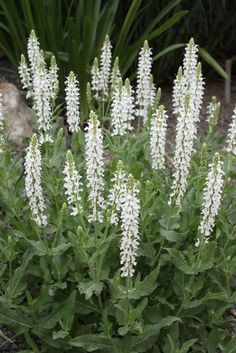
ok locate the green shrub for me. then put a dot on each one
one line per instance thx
(101, 248)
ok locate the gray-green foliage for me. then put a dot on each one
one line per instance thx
(62, 284)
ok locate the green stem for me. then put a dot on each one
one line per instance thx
(127, 285)
(31, 342)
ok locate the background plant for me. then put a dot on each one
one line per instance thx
(74, 31)
(62, 283)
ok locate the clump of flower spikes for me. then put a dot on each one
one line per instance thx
(72, 185)
(95, 167)
(213, 110)
(33, 186)
(212, 195)
(122, 108)
(145, 91)
(72, 102)
(187, 100)
(41, 85)
(2, 138)
(130, 210)
(101, 75)
(158, 137)
(116, 193)
(231, 139)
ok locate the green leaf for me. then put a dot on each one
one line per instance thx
(151, 332)
(181, 263)
(59, 334)
(213, 63)
(16, 285)
(68, 312)
(168, 49)
(145, 287)
(188, 344)
(89, 288)
(94, 342)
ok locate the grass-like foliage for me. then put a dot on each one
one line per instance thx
(110, 243)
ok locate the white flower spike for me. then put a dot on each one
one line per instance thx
(122, 108)
(73, 185)
(105, 66)
(42, 101)
(95, 167)
(187, 100)
(53, 78)
(130, 210)
(212, 195)
(213, 110)
(72, 102)
(145, 92)
(115, 75)
(116, 193)
(232, 135)
(95, 83)
(33, 186)
(2, 138)
(158, 138)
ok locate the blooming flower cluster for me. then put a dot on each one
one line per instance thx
(116, 193)
(145, 91)
(2, 139)
(115, 75)
(72, 102)
(130, 209)
(101, 75)
(158, 137)
(187, 100)
(232, 134)
(33, 186)
(95, 167)
(212, 197)
(213, 110)
(73, 185)
(122, 108)
(41, 84)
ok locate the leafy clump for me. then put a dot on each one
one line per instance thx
(106, 244)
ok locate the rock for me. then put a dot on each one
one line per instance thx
(16, 113)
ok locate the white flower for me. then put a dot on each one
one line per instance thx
(212, 195)
(115, 75)
(72, 102)
(33, 186)
(2, 139)
(95, 73)
(42, 101)
(158, 137)
(105, 66)
(25, 76)
(72, 185)
(232, 134)
(95, 167)
(34, 53)
(122, 108)
(53, 78)
(145, 91)
(130, 209)
(187, 100)
(116, 193)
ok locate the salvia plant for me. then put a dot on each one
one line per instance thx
(110, 241)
